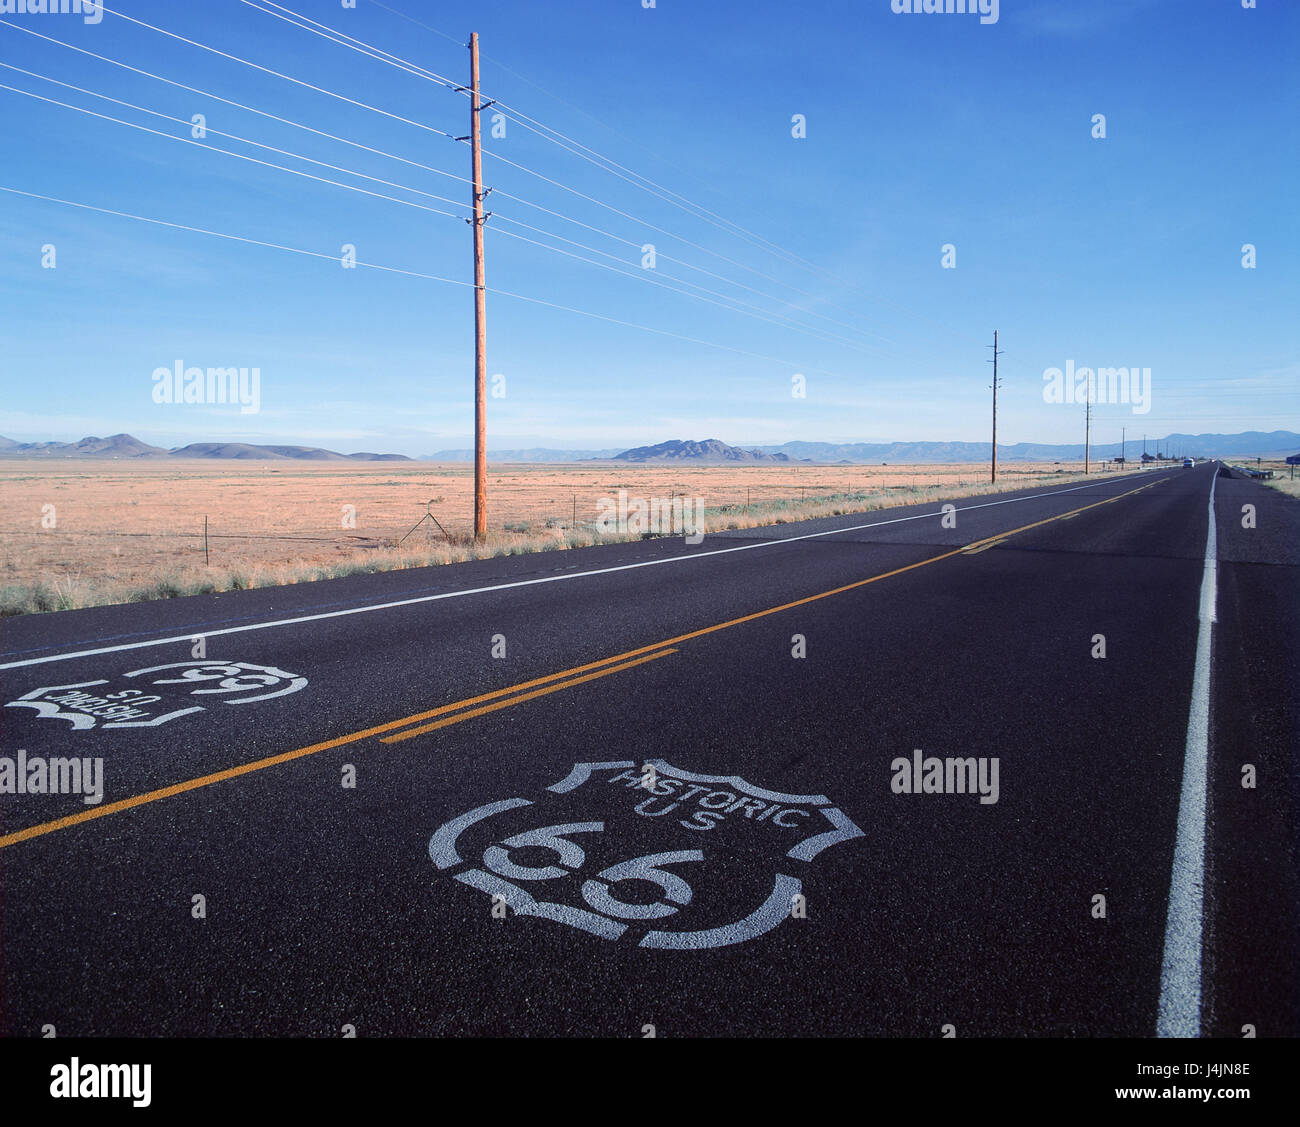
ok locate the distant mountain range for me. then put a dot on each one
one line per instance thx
(712, 451)
(1249, 444)
(532, 454)
(127, 446)
(117, 446)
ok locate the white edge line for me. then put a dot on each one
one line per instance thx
(182, 638)
(1180, 973)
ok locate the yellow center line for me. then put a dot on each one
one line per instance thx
(409, 732)
(983, 546)
(656, 650)
(312, 749)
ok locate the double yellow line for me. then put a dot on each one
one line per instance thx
(449, 714)
(564, 680)
(395, 731)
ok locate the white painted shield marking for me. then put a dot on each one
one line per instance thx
(730, 828)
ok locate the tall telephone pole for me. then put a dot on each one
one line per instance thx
(1123, 448)
(480, 304)
(993, 463)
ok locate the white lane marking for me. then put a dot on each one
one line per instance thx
(1180, 974)
(188, 638)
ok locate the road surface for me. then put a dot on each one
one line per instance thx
(676, 786)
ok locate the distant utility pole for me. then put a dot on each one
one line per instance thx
(480, 300)
(1087, 432)
(1123, 447)
(993, 463)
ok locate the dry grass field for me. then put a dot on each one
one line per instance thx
(84, 533)
(1284, 479)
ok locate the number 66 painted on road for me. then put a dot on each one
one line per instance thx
(596, 907)
(596, 892)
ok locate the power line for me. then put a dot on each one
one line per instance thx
(671, 258)
(605, 125)
(412, 19)
(645, 276)
(243, 106)
(221, 133)
(727, 303)
(379, 54)
(415, 274)
(227, 152)
(599, 159)
(414, 69)
(222, 235)
(345, 40)
(416, 164)
(719, 221)
(522, 119)
(670, 234)
(277, 74)
(774, 248)
(785, 322)
(416, 72)
(610, 165)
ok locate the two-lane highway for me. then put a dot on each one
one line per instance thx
(874, 774)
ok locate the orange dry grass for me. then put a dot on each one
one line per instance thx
(123, 530)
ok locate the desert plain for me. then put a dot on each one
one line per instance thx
(81, 532)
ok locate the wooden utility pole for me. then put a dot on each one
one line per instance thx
(1087, 431)
(993, 464)
(480, 305)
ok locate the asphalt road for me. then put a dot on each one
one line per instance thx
(502, 865)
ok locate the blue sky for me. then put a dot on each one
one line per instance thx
(922, 130)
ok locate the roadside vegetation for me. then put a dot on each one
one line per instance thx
(1282, 480)
(72, 589)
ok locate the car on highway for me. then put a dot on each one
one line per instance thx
(1188, 463)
